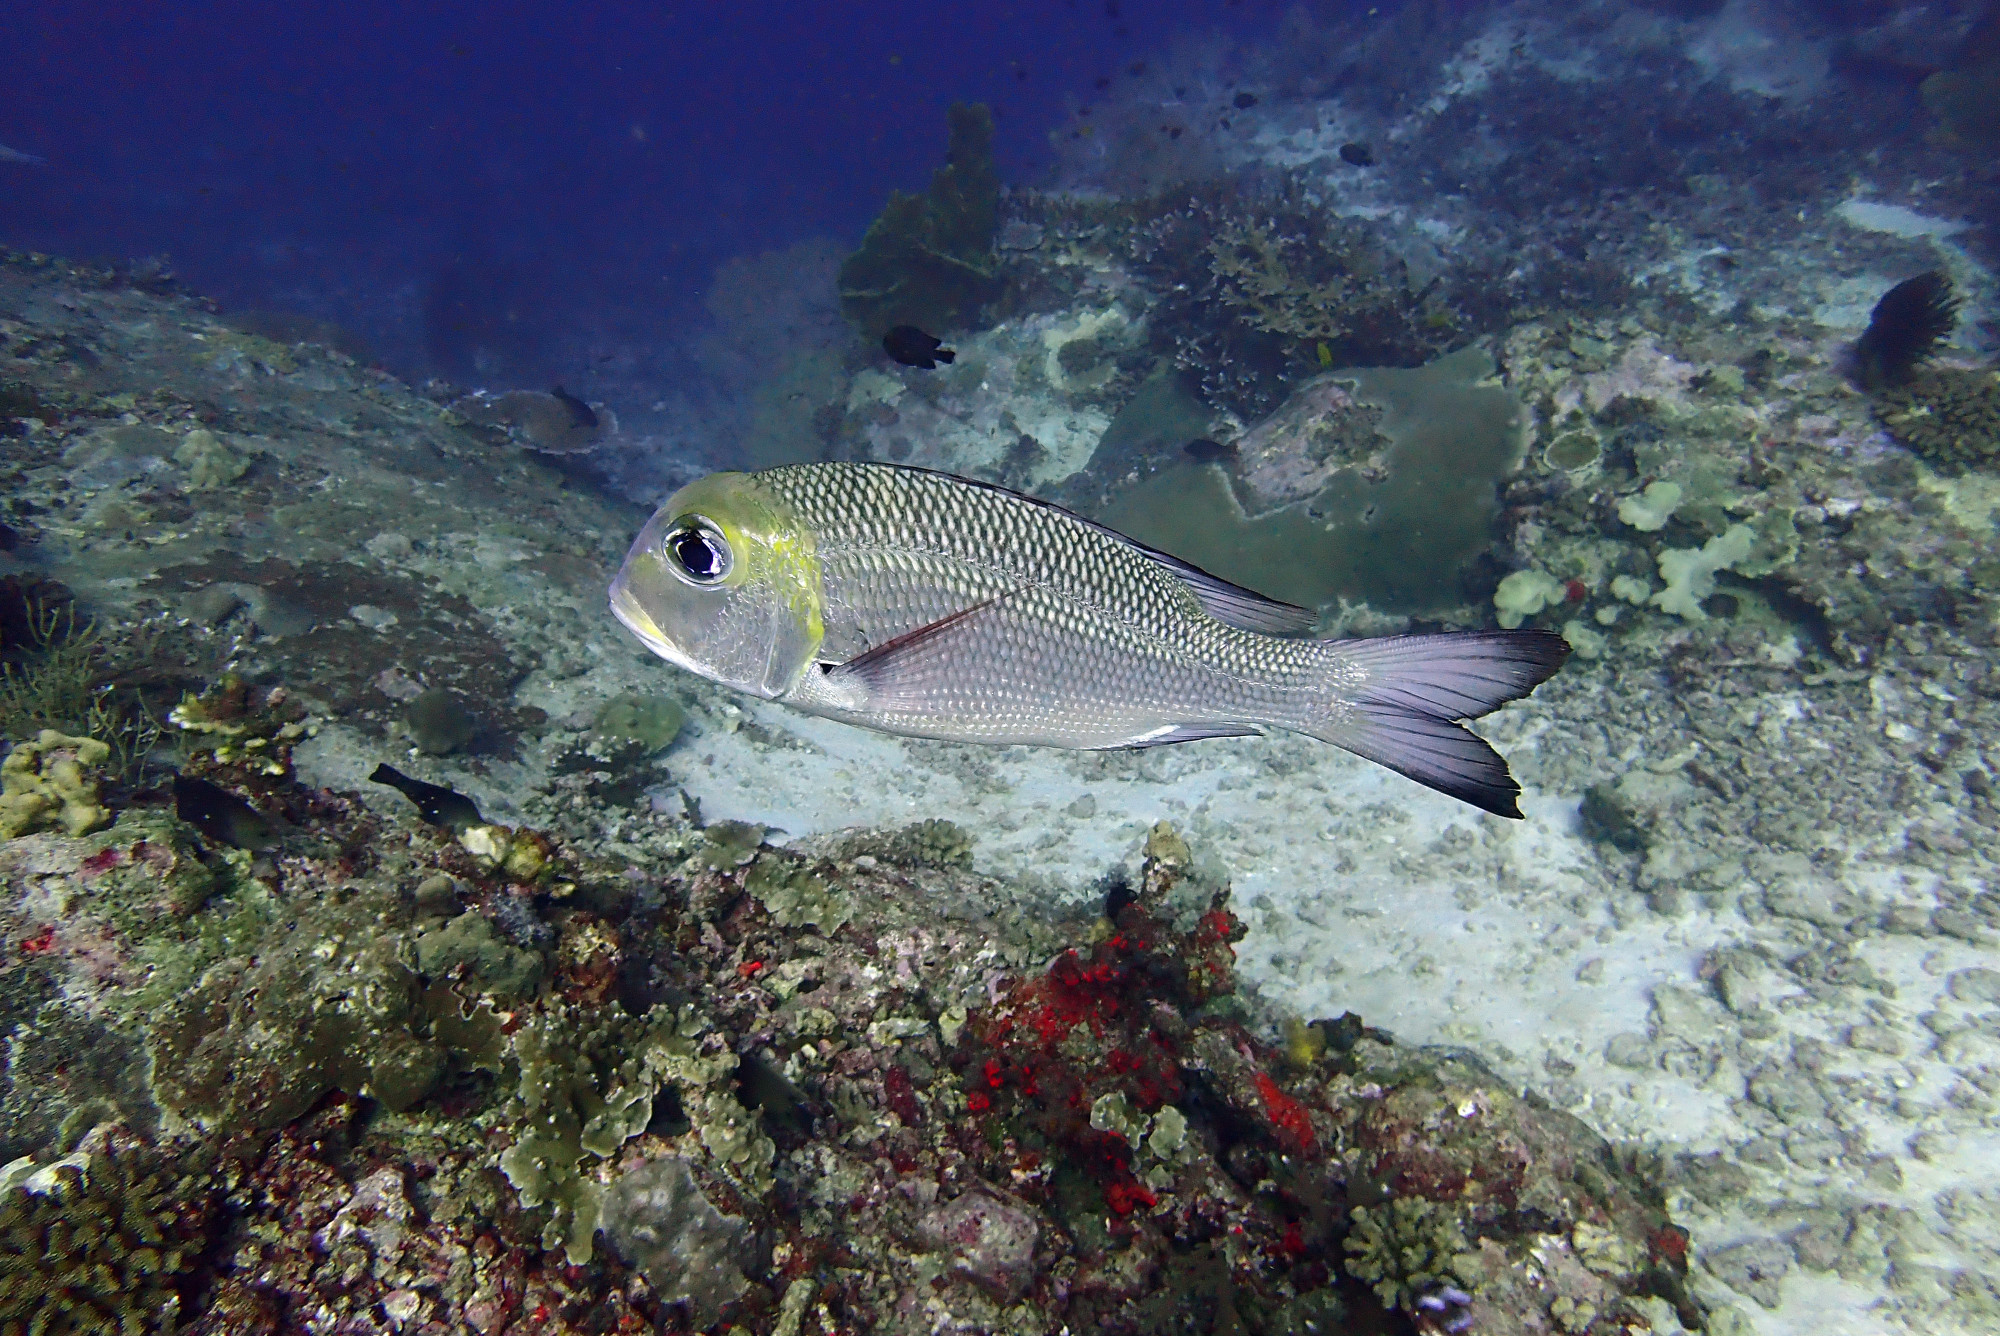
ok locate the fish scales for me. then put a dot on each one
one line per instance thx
(918, 603)
(902, 549)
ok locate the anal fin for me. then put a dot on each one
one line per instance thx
(1184, 733)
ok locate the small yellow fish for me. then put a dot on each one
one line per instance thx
(1325, 355)
(931, 606)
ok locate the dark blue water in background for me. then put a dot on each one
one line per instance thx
(410, 172)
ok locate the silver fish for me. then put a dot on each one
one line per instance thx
(15, 155)
(931, 606)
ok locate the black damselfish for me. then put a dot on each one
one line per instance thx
(912, 347)
(436, 804)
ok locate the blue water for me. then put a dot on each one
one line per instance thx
(595, 160)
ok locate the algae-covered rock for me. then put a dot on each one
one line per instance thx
(933, 843)
(211, 462)
(468, 947)
(651, 721)
(1947, 415)
(927, 260)
(439, 722)
(51, 784)
(657, 1218)
(322, 998)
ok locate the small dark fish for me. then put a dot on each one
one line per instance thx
(1356, 155)
(1908, 325)
(912, 347)
(436, 804)
(1243, 101)
(580, 413)
(1206, 451)
(221, 816)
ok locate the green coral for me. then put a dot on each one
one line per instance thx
(586, 1084)
(658, 1219)
(1404, 1248)
(795, 896)
(1398, 540)
(468, 947)
(728, 844)
(927, 259)
(1947, 415)
(51, 784)
(102, 1243)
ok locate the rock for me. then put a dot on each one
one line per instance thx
(991, 1239)
(658, 1219)
(1752, 1268)
(1977, 984)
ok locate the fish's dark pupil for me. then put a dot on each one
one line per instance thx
(696, 553)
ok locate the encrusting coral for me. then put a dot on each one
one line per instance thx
(51, 783)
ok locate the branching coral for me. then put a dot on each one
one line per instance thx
(1403, 1248)
(1948, 415)
(102, 1243)
(1256, 291)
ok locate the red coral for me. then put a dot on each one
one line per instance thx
(1669, 1244)
(1124, 1197)
(101, 861)
(1287, 1115)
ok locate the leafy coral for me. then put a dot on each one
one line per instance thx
(927, 260)
(587, 1079)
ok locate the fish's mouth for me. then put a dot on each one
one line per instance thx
(634, 619)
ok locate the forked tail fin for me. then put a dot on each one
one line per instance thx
(1400, 702)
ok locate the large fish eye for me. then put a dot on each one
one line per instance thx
(697, 551)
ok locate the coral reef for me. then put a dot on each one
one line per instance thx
(927, 260)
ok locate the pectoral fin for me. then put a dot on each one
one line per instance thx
(925, 670)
